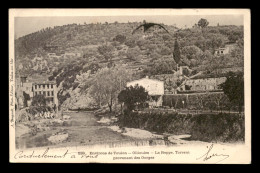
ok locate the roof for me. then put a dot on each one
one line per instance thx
(222, 48)
(145, 79)
(44, 82)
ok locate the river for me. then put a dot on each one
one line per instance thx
(83, 129)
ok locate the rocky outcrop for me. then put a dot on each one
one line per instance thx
(58, 137)
(78, 100)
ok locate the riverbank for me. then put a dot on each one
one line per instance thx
(81, 129)
(201, 127)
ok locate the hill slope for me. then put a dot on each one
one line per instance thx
(66, 53)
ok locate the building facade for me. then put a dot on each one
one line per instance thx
(46, 88)
(49, 90)
(205, 84)
(155, 89)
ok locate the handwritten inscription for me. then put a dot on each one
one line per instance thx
(209, 155)
(47, 155)
(116, 155)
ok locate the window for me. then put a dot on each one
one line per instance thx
(221, 51)
(51, 86)
(36, 93)
(48, 93)
(35, 86)
(52, 93)
(44, 93)
(43, 86)
(48, 86)
(39, 86)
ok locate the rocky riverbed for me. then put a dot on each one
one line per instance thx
(86, 129)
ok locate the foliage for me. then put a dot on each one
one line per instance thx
(176, 52)
(26, 97)
(203, 23)
(133, 96)
(39, 100)
(233, 87)
(107, 84)
(203, 127)
(161, 66)
(192, 52)
(133, 53)
(206, 128)
(106, 51)
(93, 67)
(130, 43)
(120, 38)
(62, 98)
(115, 44)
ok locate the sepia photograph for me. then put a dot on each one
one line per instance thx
(130, 86)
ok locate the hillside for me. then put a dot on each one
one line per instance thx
(70, 52)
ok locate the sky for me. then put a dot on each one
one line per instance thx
(27, 25)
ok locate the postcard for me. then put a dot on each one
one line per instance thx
(130, 86)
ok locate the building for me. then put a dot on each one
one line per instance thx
(48, 89)
(203, 84)
(33, 88)
(155, 89)
(225, 50)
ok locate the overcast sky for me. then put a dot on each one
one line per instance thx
(27, 25)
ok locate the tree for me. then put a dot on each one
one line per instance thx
(132, 53)
(106, 51)
(120, 38)
(161, 66)
(39, 100)
(176, 53)
(108, 83)
(132, 96)
(203, 23)
(26, 98)
(192, 52)
(233, 87)
(165, 51)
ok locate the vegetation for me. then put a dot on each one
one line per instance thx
(133, 96)
(107, 84)
(233, 87)
(201, 127)
(26, 98)
(203, 23)
(39, 100)
(176, 52)
(100, 46)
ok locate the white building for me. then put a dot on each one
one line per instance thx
(155, 89)
(225, 50)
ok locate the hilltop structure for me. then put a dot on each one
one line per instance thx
(225, 50)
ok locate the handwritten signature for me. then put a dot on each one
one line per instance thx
(209, 155)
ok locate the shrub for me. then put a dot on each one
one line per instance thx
(201, 127)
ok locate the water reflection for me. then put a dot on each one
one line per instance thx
(29, 141)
